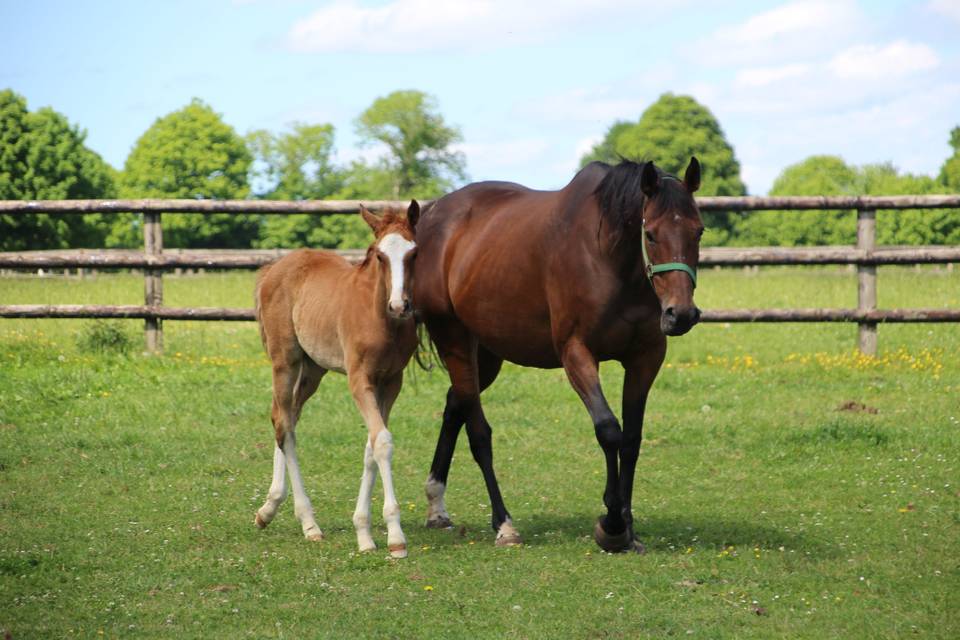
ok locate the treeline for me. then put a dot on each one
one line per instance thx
(193, 153)
(676, 127)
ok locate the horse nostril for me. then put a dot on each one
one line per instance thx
(406, 306)
(669, 312)
(696, 315)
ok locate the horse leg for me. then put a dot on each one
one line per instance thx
(293, 384)
(458, 348)
(374, 403)
(453, 419)
(639, 374)
(583, 372)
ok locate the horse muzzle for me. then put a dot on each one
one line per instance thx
(400, 309)
(677, 320)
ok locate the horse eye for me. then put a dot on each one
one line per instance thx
(650, 237)
(381, 257)
(699, 233)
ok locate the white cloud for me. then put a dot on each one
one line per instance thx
(783, 34)
(762, 76)
(896, 59)
(948, 8)
(405, 26)
(502, 153)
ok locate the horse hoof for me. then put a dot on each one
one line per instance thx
(613, 543)
(398, 550)
(637, 547)
(314, 536)
(509, 540)
(260, 522)
(440, 522)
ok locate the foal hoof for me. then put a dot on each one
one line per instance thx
(614, 543)
(397, 550)
(260, 522)
(439, 522)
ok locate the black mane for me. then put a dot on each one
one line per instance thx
(621, 200)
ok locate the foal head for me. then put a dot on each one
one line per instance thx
(394, 249)
(656, 211)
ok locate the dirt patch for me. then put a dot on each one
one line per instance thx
(857, 407)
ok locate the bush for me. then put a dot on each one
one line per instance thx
(104, 336)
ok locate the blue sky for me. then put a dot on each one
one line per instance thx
(530, 84)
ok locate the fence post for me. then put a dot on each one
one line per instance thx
(867, 279)
(153, 280)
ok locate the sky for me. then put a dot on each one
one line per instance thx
(532, 85)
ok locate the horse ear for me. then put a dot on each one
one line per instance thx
(692, 177)
(649, 180)
(413, 214)
(375, 223)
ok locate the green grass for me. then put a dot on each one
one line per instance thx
(128, 484)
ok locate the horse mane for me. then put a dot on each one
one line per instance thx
(621, 199)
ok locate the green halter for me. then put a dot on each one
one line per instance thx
(653, 269)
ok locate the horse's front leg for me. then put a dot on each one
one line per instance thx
(371, 401)
(639, 374)
(583, 372)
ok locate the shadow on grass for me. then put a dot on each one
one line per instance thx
(672, 534)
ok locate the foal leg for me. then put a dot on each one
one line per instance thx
(293, 384)
(582, 371)
(371, 401)
(453, 419)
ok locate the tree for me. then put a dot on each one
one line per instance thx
(950, 171)
(418, 139)
(43, 157)
(817, 175)
(190, 153)
(669, 132)
(830, 175)
(296, 165)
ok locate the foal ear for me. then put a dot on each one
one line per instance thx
(375, 222)
(649, 180)
(413, 214)
(692, 177)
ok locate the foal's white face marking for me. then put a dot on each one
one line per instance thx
(395, 247)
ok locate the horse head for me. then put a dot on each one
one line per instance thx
(395, 250)
(670, 243)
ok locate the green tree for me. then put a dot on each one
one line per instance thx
(817, 175)
(830, 175)
(190, 153)
(43, 157)
(296, 165)
(669, 132)
(418, 139)
(950, 171)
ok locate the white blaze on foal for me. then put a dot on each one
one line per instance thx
(396, 247)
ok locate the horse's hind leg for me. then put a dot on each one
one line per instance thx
(293, 384)
(459, 350)
(374, 404)
(488, 366)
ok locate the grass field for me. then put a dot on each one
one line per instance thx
(787, 487)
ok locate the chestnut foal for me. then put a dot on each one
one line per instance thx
(319, 313)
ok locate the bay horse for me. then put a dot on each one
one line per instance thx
(318, 313)
(603, 269)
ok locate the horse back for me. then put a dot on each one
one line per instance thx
(298, 300)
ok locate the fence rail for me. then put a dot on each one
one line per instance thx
(154, 260)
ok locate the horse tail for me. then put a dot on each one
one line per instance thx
(261, 276)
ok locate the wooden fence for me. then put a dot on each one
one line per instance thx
(154, 260)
